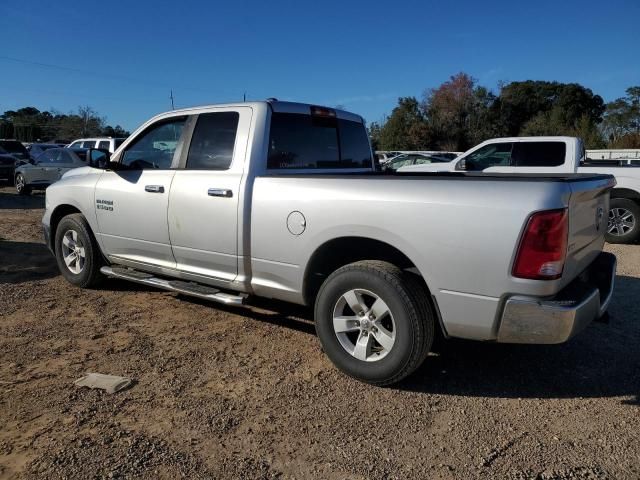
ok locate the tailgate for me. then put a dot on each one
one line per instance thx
(588, 215)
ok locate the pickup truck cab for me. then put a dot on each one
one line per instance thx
(544, 155)
(282, 200)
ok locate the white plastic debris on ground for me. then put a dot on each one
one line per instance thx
(109, 383)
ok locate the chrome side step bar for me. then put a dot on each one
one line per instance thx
(186, 288)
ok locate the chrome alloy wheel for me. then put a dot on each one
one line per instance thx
(364, 325)
(621, 221)
(73, 252)
(20, 183)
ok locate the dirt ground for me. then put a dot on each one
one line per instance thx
(247, 393)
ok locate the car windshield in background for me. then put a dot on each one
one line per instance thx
(446, 155)
(413, 159)
(37, 148)
(300, 141)
(80, 153)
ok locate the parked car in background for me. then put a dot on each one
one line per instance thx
(7, 165)
(614, 154)
(104, 143)
(12, 153)
(36, 149)
(545, 155)
(14, 148)
(406, 159)
(47, 168)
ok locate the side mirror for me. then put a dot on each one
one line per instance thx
(461, 165)
(98, 158)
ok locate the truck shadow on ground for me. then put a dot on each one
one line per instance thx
(602, 361)
(282, 314)
(25, 261)
(13, 201)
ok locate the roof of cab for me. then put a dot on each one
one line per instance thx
(541, 138)
(275, 105)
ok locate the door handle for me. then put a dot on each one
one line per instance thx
(220, 192)
(154, 188)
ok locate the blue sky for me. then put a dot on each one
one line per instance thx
(122, 58)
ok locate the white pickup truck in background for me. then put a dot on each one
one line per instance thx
(545, 155)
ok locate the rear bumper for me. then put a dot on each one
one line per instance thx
(556, 320)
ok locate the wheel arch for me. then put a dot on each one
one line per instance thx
(337, 252)
(58, 214)
(627, 193)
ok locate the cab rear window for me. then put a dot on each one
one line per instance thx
(299, 141)
(538, 154)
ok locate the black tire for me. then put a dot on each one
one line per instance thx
(89, 270)
(21, 185)
(620, 233)
(406, 298)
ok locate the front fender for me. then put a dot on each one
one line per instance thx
(75, 192)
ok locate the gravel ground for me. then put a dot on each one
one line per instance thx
(247, 393)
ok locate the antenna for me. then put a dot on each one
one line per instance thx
(171, 97)
(244, 97)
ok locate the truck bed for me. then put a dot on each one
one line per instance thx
(480, 176)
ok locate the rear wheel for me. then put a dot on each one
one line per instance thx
(622, 226)
(21, 185)
(77, 253)
(374, 322)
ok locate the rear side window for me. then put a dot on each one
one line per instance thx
(104, 144)
(58, 156)
(538, 154)
(299, 141)
(89, 144)
(213, 140)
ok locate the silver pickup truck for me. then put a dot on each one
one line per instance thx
(283, 200)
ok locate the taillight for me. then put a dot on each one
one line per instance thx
(543, 247)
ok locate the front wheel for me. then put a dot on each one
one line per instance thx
(21, 185)
(622, 226)
(77, 254)
(374, 321)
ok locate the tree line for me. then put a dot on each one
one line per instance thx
(29, 124)
(460, 114)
